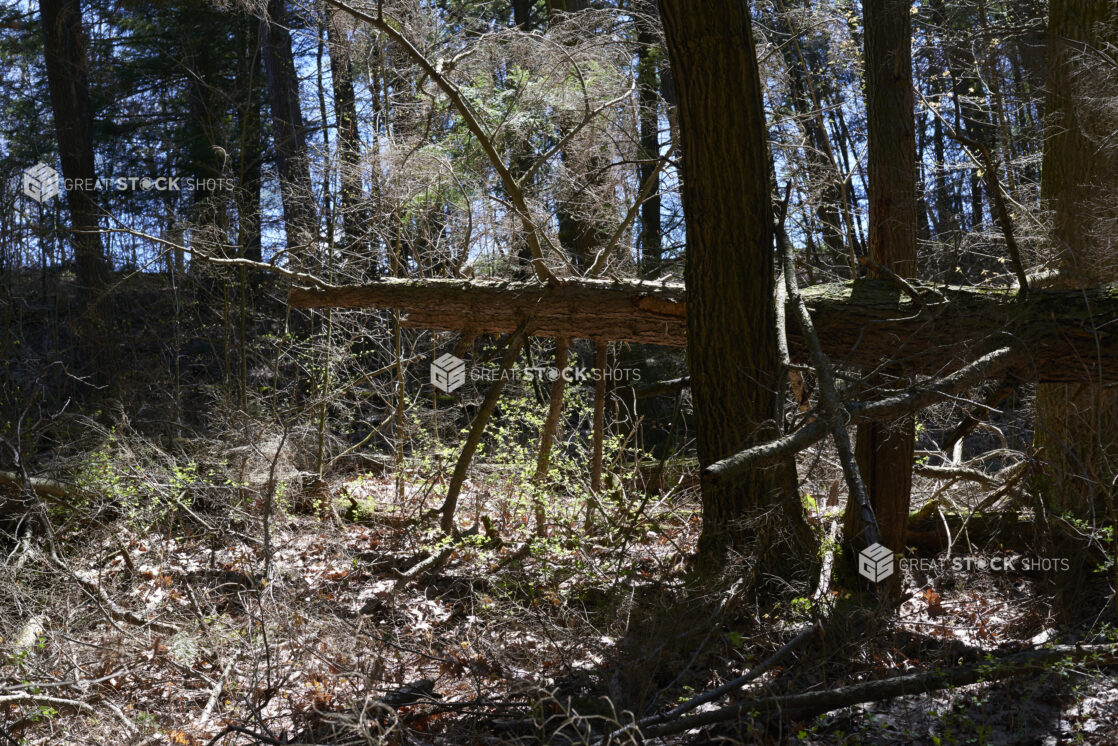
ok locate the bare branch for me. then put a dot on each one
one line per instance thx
(916, 398)
(385, 24)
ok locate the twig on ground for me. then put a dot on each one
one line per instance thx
(215, 694)
(111, 608)
(815, 703)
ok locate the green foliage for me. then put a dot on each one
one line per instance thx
(100, 473)
(135, 480)
(810, 505)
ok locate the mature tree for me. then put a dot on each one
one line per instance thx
(250, 137)
(205, 42)
(354, 217)
(289, 135)
(650, 240)
(522, 14)
(1076, 424)
(885, 449)
(731, 318)
(65, 48)
(805, 55)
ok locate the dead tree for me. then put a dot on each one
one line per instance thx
(1066, 336)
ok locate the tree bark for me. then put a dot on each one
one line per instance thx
(354, 217)
(288, 135)
(731, 319)
(885, 449)
(64, 47)
(522, 14)
(250, 86)
(1075, 425)
(202, 134)
(1071, 335)
(648, 104)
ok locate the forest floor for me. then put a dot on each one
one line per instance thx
(169, 633)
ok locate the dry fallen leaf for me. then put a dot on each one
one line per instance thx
(935, 604)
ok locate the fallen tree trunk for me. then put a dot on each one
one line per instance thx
(588, 309)
(45, 488)
(1069, 335)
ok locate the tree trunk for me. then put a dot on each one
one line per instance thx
(354, 218)
(202, 132)
(651, 240)
(64, 49)
(1076, 424)
(1070, 335)
(885, 449)
(288, 132)
(549, 430)
(818, 154)
(731, 319)
(250, 85)
(584, 215)
(522, 14)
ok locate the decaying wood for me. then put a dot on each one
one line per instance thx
(588, 309)
(45, 488)
(1069, 334)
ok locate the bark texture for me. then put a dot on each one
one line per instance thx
(650, 240)
(731, 319)
(1071, 335)
(884, 450)
(67, 77)
(354, 216)
(288, 131)
(1076, 424)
